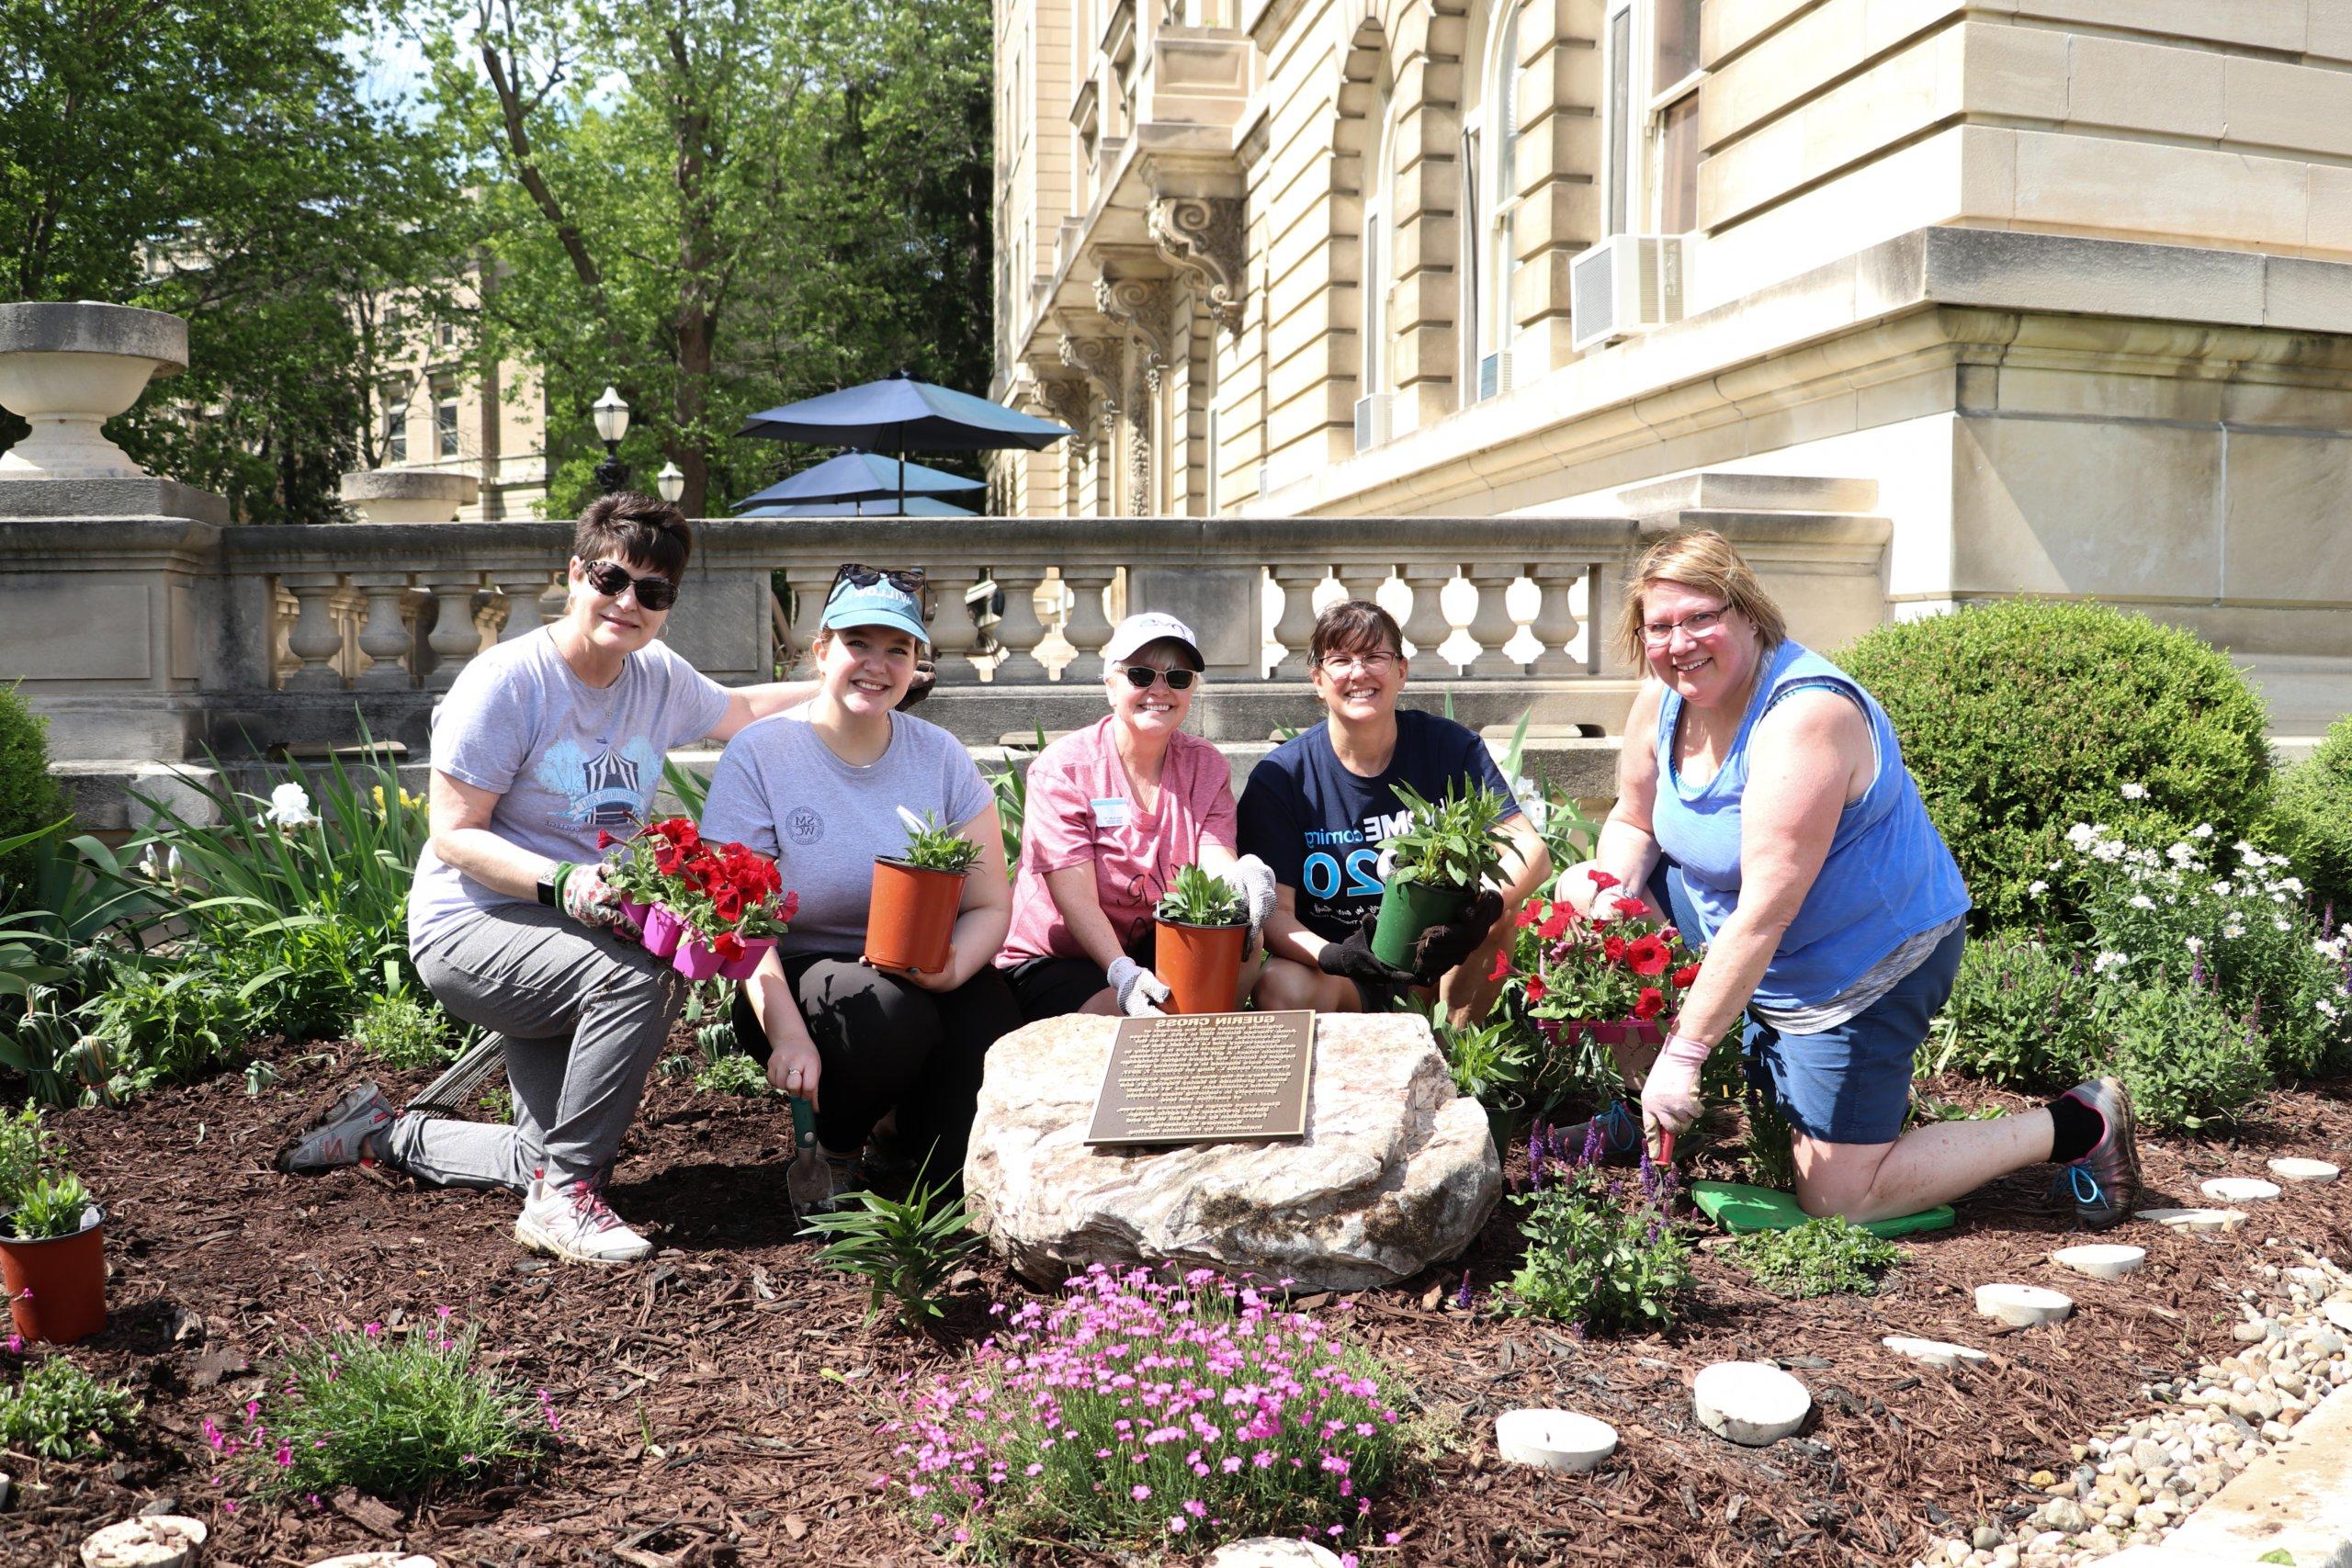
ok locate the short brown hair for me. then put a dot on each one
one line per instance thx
(1354, 625)
(1704, 560)
(636, 528)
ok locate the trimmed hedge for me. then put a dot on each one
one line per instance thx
(2021, 717)
(2311, 820)
(30, 797)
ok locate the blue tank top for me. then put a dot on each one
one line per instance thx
(1888, 875)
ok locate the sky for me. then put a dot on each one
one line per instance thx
(390, 67)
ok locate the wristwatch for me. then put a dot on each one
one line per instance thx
(551, 886)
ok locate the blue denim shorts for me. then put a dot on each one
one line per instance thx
(1852, 1084)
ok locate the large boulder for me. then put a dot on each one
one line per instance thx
(1397, 1172)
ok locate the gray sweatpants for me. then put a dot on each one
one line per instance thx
(583, 1015)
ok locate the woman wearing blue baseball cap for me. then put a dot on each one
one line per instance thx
(821, 790)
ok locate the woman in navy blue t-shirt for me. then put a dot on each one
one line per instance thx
(1319, 807)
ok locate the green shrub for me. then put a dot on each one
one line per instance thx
(2021, 717)
(1599, 1258)
(733, 1073)
(403, 1031)
(904, 1252)
(59, 1411)
(29, 1152)
(158, 1025)
(2311, 818)
(2019, 1015)
(388, 1414)
(1818, 1258)
(30, 798)
(2184, 1060)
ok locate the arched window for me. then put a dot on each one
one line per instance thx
(1490, 205)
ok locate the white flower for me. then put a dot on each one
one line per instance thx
(2282, 925)
(2179, 852)
(2142, 901)
(2136, 792)
(2232, 932)
(2202, 830)
(2195, 944)
(2328, 1009)
(2291, 884)
(2107, 961)
(160, 864)
(2222, 889)
(2036, 889)
(2081, 833)
(289, 807)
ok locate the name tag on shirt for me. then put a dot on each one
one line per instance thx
(1110, 811)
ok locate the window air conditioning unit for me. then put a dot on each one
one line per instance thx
(1372, 421)
(1624, 285)
(1493, 375)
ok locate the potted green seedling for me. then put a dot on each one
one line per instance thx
(1201, 930)
(916, 895)
(1447, 851)
(52, 1255)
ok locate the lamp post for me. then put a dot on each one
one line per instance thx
(671, 481)
(612, 423)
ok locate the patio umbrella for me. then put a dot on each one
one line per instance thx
(899, 414)
(885, 505)
(857, 476)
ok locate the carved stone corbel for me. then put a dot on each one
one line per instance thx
(1201, 236)
(1097, 359)
(1145, 310)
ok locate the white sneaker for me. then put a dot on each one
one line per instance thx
(570, 1220)
(339, 1137)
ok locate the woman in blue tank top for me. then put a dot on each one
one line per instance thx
(1769, 789)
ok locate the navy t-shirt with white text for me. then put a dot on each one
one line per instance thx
(1320, 826)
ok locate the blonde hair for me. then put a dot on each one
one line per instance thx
(1702, 561)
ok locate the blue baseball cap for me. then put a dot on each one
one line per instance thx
(879, 603)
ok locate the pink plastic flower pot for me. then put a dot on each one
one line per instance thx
(694, 960)
(636, 913)
(754, 949)
(663, 930)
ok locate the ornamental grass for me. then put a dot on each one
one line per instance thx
(1135, 1412)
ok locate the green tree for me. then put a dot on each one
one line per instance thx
(213, 159)
(720, 205)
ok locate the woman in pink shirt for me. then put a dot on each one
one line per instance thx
(1115, 811)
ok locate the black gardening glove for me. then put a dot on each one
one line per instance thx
(926, 677)
(1443, 946)
(1354, 960)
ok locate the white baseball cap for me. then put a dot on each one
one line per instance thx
(1137, 632)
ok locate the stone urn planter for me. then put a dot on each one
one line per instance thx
(408, 495)
(67, 369)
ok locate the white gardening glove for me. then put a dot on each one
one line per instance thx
(587, 899)
(1670, 1094)
(1254, 880)
(1139, 989)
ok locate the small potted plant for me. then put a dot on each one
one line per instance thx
(1614, 980)
(711, 909)
(52, 1255)
(1201, 932)
(1446, 852)
(916, 894)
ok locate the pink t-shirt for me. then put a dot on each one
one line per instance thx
(1080, 809)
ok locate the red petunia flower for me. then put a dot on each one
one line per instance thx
(1502, 964)
(1684, 976)
(1535, 987)
(1530, 912)
(728, 946)
(1652, 1003)
(1613, 949)
(1601, 879)
(1647, 955)
(1563, 916)
(1631, 908)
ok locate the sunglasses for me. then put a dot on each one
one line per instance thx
(1141, 676)
(909, 582)
(611, 580)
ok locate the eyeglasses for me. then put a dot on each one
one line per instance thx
(909, 582)
(1141, 676)
(1706, 623)
(611, 580)
(1370, 663)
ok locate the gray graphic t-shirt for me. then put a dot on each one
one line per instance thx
(780, 790)
(565, 758)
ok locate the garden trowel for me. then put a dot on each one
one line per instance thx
(806, 1180)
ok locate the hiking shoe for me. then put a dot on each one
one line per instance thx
(1619, 1142)
(340, 1137)
(888, 1157)
(2104, 1184)
(571, 1220)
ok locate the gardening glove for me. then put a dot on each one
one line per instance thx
(586, 898)
(1354, 960)
(1253, 881)
(1139, 989)
(1443, 946)
(926, 677)
(1670, 1094)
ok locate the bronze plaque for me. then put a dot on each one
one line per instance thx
(1209, 1078)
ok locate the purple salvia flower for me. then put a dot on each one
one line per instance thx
(1462, 1296)
(1590, 1154)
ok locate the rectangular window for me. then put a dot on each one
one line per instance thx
(1679, 167)
(1674, 52)
(444, 422)
(396, 434)
(1376, 315)
(1621, 99)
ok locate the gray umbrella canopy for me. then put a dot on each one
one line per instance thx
(857, 476)
(899, 414)
(879, 506)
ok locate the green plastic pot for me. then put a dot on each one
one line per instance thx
(1409, 909)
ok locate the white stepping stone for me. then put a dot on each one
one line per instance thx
(161, 1540)
(1750, 1402)
(2238, 1189)
(1273, 1551)
(1555, 1440)
(2303, 1170)
(2102, 1262)
(2022, 1306)
(377, 1559)
(2195, 1219)
(1935, 1352)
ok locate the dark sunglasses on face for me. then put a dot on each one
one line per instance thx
(1141, 676)
(611, 580)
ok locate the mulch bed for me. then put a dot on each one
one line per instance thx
(718, 1403)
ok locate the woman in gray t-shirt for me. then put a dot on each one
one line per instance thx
(820, 789)
(543, 743)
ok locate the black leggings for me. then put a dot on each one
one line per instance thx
(883, 1041)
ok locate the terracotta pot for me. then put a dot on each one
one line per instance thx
(1202, 965)
(57, 1289)
(754, 949)
(912, 916)
(663, 932)
(1409, 909)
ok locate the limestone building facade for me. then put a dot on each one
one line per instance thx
(439, 406)
(2070, 281)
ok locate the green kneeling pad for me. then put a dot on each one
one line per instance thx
(1739, 1208)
